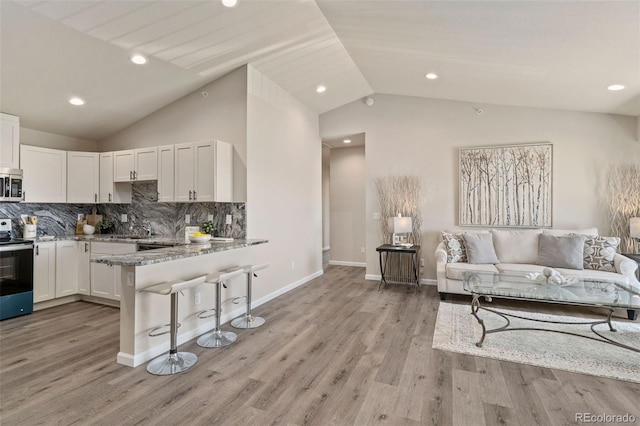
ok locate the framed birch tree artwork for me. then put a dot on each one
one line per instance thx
(506, 186)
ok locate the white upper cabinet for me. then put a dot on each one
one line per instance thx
(203, 171)
(9, 141)
(45, 174)
(184, 159)
(224, 172)
(111, 192)
(83, 177)
(165, 173)
(135, 165)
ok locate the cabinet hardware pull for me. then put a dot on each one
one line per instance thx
(109, 197)
(190, 195)
(95, 198)
(135, 175)
(195, 197)
(86, 247)
(37, 250)
(24, 194)
(130, 175)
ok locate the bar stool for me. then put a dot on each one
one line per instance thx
(218, 338)
(174, 362)
(248, 320)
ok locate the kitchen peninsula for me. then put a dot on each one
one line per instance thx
(142, 311)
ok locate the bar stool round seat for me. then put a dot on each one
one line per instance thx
(219, 338)
(248, 320)
(174, 362)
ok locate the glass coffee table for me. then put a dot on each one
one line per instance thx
(580, 292)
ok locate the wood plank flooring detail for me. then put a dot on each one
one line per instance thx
(333, 352)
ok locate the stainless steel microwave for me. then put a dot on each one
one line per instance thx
(11, 185)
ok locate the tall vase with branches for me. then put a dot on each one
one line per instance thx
(399, 194)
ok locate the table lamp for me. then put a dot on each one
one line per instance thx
(634, 230)
(401, 226)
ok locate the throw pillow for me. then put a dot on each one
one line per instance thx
(516, 246)
(599, 253)
(561, 252)
(455, 248)
(480, 248)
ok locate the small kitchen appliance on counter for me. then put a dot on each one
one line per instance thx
(16, 273)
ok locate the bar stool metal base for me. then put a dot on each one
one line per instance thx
(165, 365)
(217, 339)
(247, 321)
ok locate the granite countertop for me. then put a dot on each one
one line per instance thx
(174, 253)
(111, 238)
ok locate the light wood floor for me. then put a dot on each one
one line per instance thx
(334, 351)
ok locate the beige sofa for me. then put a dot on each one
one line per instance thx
(517, 251)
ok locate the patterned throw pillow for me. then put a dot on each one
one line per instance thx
(456, 252)
(599, 253)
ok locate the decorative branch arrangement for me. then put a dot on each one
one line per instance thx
(399, 194)
(506, 185)
(623, 195)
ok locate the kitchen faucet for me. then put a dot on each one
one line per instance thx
(147, 227)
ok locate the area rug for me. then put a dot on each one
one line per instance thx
(458, 331)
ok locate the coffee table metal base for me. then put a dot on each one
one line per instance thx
(475, 307)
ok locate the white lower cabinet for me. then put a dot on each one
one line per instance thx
(84, 267)
(105, 279)
(66, 268)
(44, 271)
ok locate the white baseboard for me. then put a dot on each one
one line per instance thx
(133, 361)
(55, 302)
(342, 263)
(423, 281)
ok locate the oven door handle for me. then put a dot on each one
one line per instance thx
(15, 247)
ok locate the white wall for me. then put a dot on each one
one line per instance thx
(51, 140)
(222, 115)
(348, 179)
(326, 203)
(417, 136)
(284, 199)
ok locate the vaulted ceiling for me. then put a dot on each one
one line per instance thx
(557, 54)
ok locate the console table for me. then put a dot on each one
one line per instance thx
(410, 275)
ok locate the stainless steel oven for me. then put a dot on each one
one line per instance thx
(11, 185)
(16, 274)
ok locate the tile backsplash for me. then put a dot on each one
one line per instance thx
(167, 219)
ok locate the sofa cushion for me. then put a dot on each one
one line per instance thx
(524, 268)
(561, 252)
(599, 253)
(516, 246)
(454, 244)
(595, 275)
(561, 232)
(480, 248)
(455, 270)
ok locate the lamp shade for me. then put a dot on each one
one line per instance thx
(401, 225)
(634, 227)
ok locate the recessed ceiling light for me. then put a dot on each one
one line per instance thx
(76, 101)
(229, 3)
(138, 59)
(346, 141)
(615, 87)
(431, 76)
(321, 89)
